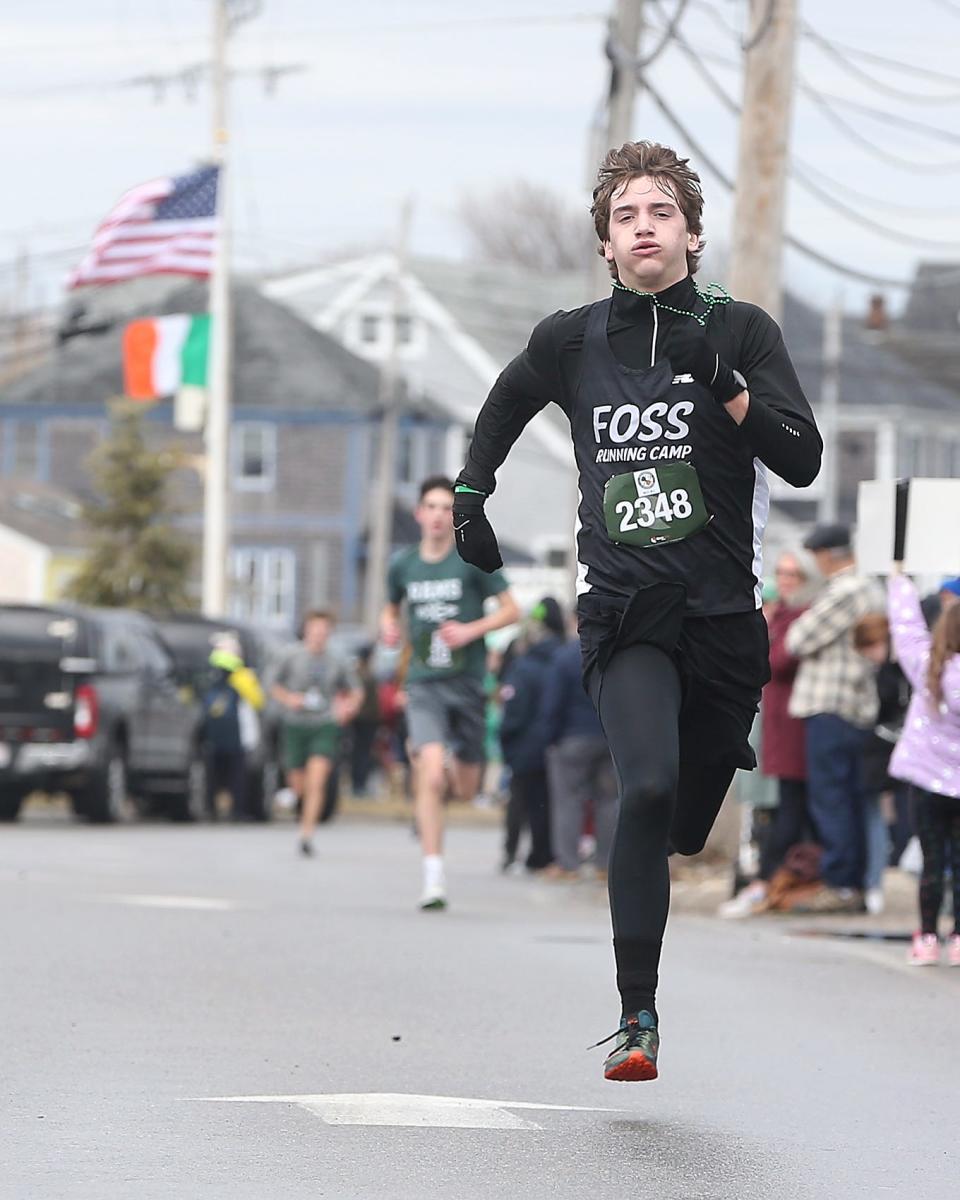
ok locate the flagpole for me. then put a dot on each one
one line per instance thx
(217, 434)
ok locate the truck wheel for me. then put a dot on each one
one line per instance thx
(106, 800)
(190, 801)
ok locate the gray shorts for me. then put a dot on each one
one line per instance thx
(451, 711)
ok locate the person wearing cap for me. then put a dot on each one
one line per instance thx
(835, 694)
(230, 724)
(944, 598)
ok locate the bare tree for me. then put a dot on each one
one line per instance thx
(529, 225)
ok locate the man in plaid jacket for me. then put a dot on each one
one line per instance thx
(835, 693)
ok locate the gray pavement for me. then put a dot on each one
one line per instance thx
(157, 978)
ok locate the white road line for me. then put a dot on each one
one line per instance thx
(433, 1112)
(196, 903)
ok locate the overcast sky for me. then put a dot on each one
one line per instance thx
(433, 100)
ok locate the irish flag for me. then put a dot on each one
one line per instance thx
(163, 356)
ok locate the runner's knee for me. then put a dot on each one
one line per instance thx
(687, 843)
(648, 793)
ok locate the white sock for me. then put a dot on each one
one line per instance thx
(432, 871)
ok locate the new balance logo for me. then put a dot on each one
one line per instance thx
(686, 378)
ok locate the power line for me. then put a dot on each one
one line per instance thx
(666, 36)
(877, 151)
(763, 28)
(793, 242)
(944, 135)
(843, 58)
(800, 176)
(894, 63)
(949, 211)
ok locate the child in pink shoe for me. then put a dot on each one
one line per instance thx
(927, 755)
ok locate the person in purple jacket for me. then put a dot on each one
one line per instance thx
(928, 755)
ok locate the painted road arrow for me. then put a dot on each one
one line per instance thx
(393, 1108)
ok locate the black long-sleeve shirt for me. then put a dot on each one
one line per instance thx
(561, 365)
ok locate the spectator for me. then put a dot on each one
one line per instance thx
(231, 727)
(939, 601)
(835, 693)
(365, 725)
(521, 737)
(783, 754)
(928, 755)
(871, 637)
(579, 766)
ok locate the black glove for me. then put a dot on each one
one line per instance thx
(476, 541)
(690, 353)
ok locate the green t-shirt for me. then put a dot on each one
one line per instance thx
(435, 592)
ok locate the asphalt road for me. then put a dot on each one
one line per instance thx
(171, 994)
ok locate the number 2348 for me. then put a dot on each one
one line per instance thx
(642, 512)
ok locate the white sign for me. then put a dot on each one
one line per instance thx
(932, 544)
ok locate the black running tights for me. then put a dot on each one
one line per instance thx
(937, 821)
(664, 804)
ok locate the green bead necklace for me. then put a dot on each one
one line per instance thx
(711, 296)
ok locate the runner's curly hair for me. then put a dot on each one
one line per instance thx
(672, 176)
(945, 641)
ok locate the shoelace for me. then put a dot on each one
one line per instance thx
(632, 1033)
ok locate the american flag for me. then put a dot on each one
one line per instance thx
(166, 226)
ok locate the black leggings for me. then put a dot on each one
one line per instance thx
(937, 821)
(664, 804)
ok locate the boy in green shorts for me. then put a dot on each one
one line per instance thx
(444, 599)
(320, 693)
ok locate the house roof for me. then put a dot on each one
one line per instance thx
(497, 306)
(280, 359)
(928, 336)
(874, 372)
(42, 513)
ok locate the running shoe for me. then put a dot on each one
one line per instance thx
(434, 898)
(634, 1055)
(306, 848)
(953, 950)
(751, 900)
(924, 950)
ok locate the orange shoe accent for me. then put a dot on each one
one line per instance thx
(635, 1068)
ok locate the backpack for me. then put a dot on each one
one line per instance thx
(221, 717)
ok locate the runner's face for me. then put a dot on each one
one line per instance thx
(435, 514)
(315, 635)
(648, 239)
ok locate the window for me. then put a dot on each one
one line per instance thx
(404, 329)
(22, 448)
(264, 586)
(157, 661)
(121, 653)
(254, 456)
(405, 465)
(370, 329)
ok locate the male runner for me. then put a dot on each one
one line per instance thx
(445, 698)
(320, 693)
(678, 399)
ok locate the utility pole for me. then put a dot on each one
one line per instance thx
(216, 515)
(381, 512)
(623, 49)
(759, 199)
(829, 409)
